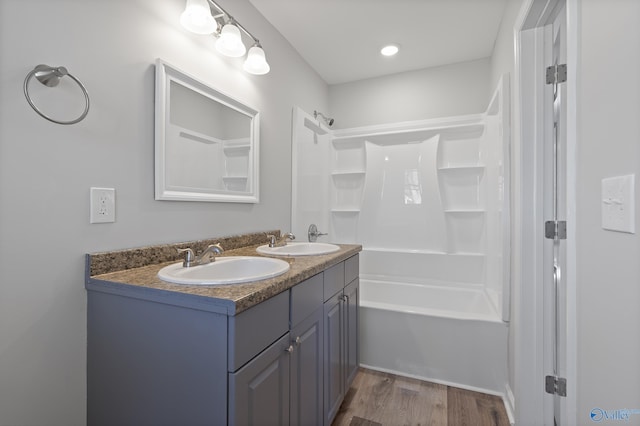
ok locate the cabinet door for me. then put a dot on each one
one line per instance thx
(351, 303)
(333, 357)
(259, 391)
(306, 371)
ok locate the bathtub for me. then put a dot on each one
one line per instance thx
(424, 322)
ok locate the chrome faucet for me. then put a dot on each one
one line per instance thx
(313, 233)
(207, 256)
(282, 241)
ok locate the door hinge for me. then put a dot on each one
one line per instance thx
(557, 74)
(555, 385)
(555, 229)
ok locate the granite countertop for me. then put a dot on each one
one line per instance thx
(231, 299)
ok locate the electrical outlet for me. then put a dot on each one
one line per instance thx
(102, 205)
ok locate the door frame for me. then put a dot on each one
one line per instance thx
(528, 325)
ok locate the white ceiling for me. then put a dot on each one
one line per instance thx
(341, 39)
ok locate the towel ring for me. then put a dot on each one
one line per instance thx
(50, 77)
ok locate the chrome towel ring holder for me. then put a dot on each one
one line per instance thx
(50, 77)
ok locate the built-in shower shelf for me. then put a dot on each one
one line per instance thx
(348, 143)
(348, 173)
(239, 146)
(348, 156)
(195, 136)
(346, 192)
(474, 168)
(346, 211)
(465, 211)
(462, 186)
(239, 149)
(235, 183)
(466, 253)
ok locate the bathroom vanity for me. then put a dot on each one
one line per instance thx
(277, 351)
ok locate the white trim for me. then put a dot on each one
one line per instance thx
(528, 386)
(528, 334)
(509, 404)
(572, 185)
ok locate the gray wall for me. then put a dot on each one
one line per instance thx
(445, 91)
(608, 280)
(46, 171)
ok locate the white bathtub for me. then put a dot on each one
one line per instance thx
(442, 331)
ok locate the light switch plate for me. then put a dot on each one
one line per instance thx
(102, 205)
(618, 203)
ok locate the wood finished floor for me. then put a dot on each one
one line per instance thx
(377, 398)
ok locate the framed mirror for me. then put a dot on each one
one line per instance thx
(206, 142)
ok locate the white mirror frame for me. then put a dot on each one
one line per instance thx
(165, 74)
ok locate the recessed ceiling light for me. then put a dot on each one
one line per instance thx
(390, 49)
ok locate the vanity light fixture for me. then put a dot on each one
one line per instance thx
(229, 41)
(256, 62)
(198, 18)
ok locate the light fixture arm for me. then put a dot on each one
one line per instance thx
(208, 17)
(255, 40)
(231, 20)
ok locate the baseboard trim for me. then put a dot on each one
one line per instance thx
(509, 403)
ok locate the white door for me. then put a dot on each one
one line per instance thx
(555, 213)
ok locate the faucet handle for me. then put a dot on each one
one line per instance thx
(216, 248)
(313, 233)
(272, 240)
(188, 258)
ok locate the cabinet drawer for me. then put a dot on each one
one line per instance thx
(306, 297)
(256, 328)
(333, 280)
(351, 269)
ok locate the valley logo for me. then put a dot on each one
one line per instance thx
(622, 415)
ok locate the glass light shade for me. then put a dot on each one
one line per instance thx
(256, 62)
(390, 50)
(230, 42)
(197, 17)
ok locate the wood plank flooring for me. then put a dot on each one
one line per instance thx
(376, 399)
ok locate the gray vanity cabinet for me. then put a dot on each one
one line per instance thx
(258, 377)
(351, 303)
(340, 333)
(285, 361)
(306, 372)
(333, 349)
(259, 391)
(307, 352)
(154, 364)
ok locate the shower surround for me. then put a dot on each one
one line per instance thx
(428, 202)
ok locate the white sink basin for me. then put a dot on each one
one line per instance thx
(299, 249)
(225, 270)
